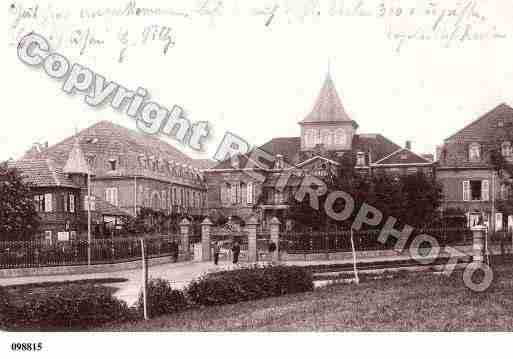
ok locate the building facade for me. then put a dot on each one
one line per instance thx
(128, 171)
(261, 182)
(474, 169)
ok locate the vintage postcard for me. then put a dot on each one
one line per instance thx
(310, 166)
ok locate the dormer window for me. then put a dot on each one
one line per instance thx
(360, 159)
(474, 151)
(506, 149)
(113, 163)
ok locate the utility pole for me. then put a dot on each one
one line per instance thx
(89, 217)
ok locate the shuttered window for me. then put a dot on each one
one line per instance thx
(485, 190)
(48, 202)
(466, 190)
(249, 193)
(111, 195)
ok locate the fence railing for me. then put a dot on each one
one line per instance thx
(28, 254)
(340, 241)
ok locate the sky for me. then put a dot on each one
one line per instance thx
(257, 75)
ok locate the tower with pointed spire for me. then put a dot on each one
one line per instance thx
(328, 124)
(76, 166)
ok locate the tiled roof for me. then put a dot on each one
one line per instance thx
(328, 107)
(43, 172)
(105, 208)
(482, 128)
(377, 145)
(108, 141)
(403, 156)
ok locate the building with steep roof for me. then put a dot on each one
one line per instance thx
(129, 170)
(248, 184)
(475, 184)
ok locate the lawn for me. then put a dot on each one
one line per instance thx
(410, 302)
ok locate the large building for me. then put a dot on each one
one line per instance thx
(242, 187)
(475, 184)
(128, 171)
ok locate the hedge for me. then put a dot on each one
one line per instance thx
(162, 299)
(68, 307)
(248, 284)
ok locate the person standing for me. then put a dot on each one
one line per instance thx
(235, 251)
(217, 250)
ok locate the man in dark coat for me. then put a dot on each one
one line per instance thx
(236, 251)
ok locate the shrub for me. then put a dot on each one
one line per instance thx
(162, 299)
(70, 307)
(7, 312)
(249, 284)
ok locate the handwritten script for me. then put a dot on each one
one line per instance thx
(130, 25)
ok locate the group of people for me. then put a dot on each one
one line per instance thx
(235, 251)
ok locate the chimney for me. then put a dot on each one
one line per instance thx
(408, 145)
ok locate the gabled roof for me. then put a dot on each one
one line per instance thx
(401, 157)
(376, 145)
(328, 107)
(43, 172)
(315, 158)
(482, 127)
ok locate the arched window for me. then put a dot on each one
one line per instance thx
(340, 137)
(506, 149)
(327, 137)
(474, 151)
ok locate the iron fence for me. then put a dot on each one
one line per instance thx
(27, 254)
(340, 241)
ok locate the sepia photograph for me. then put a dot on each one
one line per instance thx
(227, 175)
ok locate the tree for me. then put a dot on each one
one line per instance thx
(18, 217)
(412, 199)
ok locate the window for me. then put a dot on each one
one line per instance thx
(48, 202)
(113, 164)
(498, 221)
(476, 190)
(340, 137)
(327, 137)
(164, 199)
(474, 152)
(233, 194)
(249, 193)
(111, 195)
(278, 196)
(500, 123)
(309, 137)
(504, 191)
(360, 159)
(71, 199)
(48, 236)
(506, 149)
(39, 202)
(243, 195)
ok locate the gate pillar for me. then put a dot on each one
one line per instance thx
(184, 231)
(274, 226)
(251, 226)
(206, 240)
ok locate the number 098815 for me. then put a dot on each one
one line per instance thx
(26, 347)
